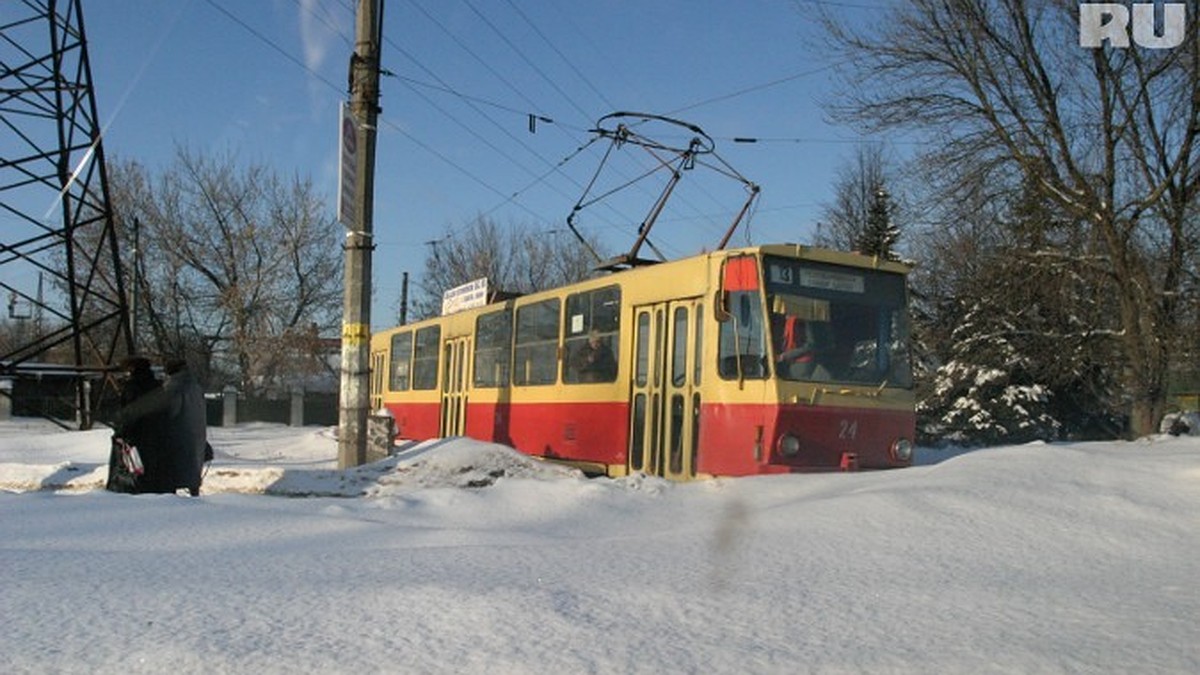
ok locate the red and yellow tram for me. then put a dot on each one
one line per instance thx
(770, 359)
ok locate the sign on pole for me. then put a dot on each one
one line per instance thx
(348, 177)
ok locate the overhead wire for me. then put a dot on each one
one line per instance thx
(585, 38)
(541, 73)
(757, 87)
(505, 130)
(271, 43)
(554, 167)
(538, 178)
(325, 18)
(521, 54)
(550, 43)
(341, 92)
(529, 62)
(446, 114)
(445, 87)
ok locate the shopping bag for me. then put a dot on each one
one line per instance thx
(120, 477)
(131, 458)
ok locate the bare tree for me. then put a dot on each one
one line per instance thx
(235, 266)
(1109, 135)
(515, 259)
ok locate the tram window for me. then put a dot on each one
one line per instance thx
(425, 358)
(591, 328)
(844, 325)
(493, 346)
(679, 347)
(675, 452)
(401, 361)
(637, 449)
(803, 337)
(741, 342)
(535, 355)
(698, 354)
(642, 363)
(658, 355)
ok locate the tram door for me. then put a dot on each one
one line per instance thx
(455, 352)
(665, 397)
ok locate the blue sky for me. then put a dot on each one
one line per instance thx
(264, 79)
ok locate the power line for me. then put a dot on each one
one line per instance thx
(326, 19)
(554, 168)
(501, 78)
(339, 89)
(507, 198)
(757, 87)
(270, 43)
(526, 59)
(583, 78)
(477, 102)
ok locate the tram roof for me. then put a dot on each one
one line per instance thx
(848, 258)
(788, 250)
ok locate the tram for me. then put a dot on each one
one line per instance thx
(761, 360)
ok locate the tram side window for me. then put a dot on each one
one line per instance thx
(493, 346)
(535, 355)
(425, 358)
(741, 342)
(401, 361)
(591, 328)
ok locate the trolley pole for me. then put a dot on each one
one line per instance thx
(356, 308)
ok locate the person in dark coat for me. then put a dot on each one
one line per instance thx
(147, 432)
(180, 403)
(144, 434)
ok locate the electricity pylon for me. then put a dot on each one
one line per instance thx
(56, 220)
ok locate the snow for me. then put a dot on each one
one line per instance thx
(463, 557)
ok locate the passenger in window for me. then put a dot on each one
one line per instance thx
(400, 378)
(594, 361)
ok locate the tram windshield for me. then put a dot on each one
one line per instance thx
(836, 324)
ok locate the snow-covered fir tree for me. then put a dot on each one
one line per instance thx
(1017, 325)
(987, 392)
(879, 234)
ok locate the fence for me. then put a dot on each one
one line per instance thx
(53, 397)
(300, 409)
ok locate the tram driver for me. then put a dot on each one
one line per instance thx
(798, 348)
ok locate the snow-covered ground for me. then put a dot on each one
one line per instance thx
(464, 557)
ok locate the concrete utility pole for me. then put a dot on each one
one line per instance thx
(356, 307)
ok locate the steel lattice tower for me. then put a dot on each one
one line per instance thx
(60, 265)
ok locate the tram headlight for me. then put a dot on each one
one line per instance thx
(789, 445)
(902, 449)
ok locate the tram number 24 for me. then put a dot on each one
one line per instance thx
(848, 430)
